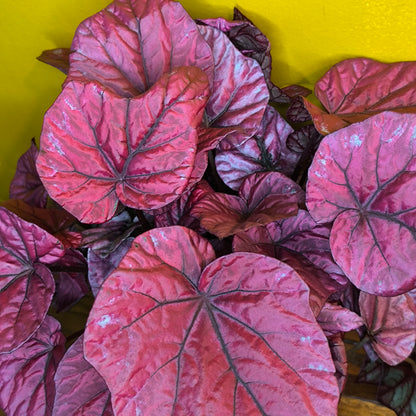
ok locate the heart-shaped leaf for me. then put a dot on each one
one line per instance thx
(26, 285)
(358, 88)
(80, 390)
(263, 197)
(26, 381)
(118, 48)
(237, 157)
(98, 148)
(26, 184)
(188, 335)
(364, 177)
(391, 325)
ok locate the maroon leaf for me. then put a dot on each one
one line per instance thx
(100, 267)
(130, 44)
(239, 94)
(173, 335)
(297, 112)
(237, 157)
(80, 390)
(59, 58)
(263, 198)
(334, 319)
(98, 148)
(391, 323)
(295, 90)
(26, 381)
(71, 285)
(26, 285)
(364, 177)
(339, 357)
(26, 184)
(358, 88)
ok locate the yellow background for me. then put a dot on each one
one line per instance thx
(307, 37)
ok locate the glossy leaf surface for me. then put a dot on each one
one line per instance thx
(391, 323)
(80, 390)
(194, 336)
(364, 177)
(26, 184)
(118, 48)
(26, 382)
(238, 157)
(263, 198)
(26, 285)
(98, 148)
(358, 88)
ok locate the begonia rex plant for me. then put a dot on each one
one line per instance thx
(228, 244)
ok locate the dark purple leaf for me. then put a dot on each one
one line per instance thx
(26, 381)
(238, 157)
(99, 267)
(364, 177)
(59, 58)
(391, 325)
(358, 88)
(396, 385)
(26, 285)
(239, 94)
(80, 390)
(297, 112)
(98, 148)
(130, 44)
(187, 334)
(71, 285)
(304, 141)
(26, 184)
(263, 198)
(339, 357)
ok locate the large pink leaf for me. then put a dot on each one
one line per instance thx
(98, 148)
(238, 157)
(263, 197)
(130, 44)
(26, 285)
(239, 93)
(358, 88)
(80, 390)
(364, 177)
(26, 380)
(172, 335)
(391, 325)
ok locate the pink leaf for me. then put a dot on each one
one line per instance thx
(263, 198)
(26, 381)
(26, 184)
(98, 148)
(335, 318)
(80, 390)
(358, 88)
(188, 335)
(363, 177)
(26, 285)
(391, 323)
(239, 93)
(238, 157)
(130, 44)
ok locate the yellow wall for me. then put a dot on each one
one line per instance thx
(307, 36)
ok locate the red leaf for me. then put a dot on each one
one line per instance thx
(238, 157)
(26, 381)
(391, 323)
(26, 285)
(263, 198)
(364, 177)
(26, 184)
(80, 390)
(98, 148)
(358, 88)
(173, 335)
(130, 44)
(59, 58)
(239, 93)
